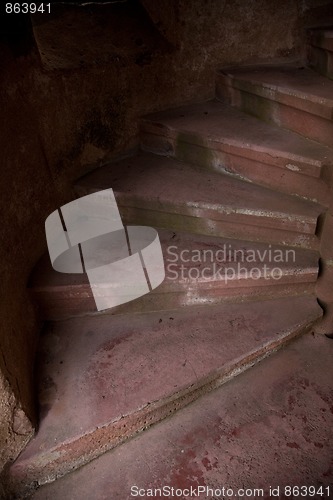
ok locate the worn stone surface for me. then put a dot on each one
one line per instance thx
(166, 193)
(102, 379)
(292, 97)
(221, 138)
(57, 124)
(271, 426)
(199, 270)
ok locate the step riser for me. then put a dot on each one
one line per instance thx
(283, 114)
(59, 305)
(72, 455)
(211, 222)
(321, 61)
(254, 166)
(204, 225)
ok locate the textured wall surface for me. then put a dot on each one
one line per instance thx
(70, 102)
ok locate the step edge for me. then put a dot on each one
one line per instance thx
(130, 201)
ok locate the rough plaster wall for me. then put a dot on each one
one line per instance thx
(60, 122)
(28, 193)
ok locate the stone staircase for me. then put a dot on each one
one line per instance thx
(320, 51)
(246, 177)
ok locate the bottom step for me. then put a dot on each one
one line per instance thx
(268, 429)
(103, 379)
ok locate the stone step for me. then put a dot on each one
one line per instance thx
(199, 270)
(279, 412)
(163, 192)
(103, 379)
(217, 136)
(320, 51)
(276, 414)
(296, 98)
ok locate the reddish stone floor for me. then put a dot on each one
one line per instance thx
(271, 426)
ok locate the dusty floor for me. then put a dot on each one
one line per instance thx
(269, 428)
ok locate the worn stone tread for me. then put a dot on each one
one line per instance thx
(229, 130)
(274, 423)
(199, 270)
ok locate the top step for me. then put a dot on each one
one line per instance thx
(103, 379)
(295, 98)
